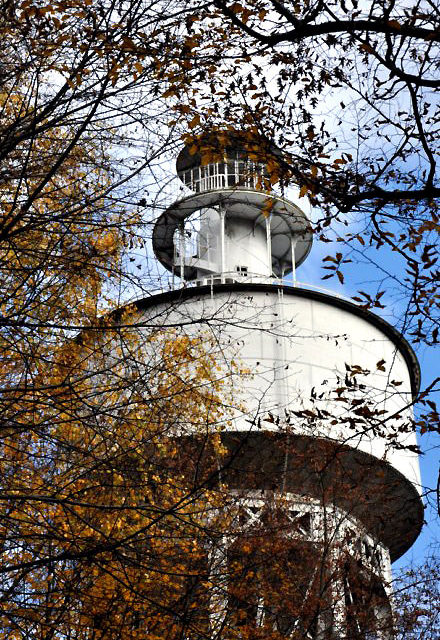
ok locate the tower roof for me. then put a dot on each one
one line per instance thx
(214, 146)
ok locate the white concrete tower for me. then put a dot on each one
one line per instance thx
(324, 411)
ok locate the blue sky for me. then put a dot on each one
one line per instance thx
(367, 273)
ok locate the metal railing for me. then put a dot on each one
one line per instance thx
(230, 173)
(231, 277)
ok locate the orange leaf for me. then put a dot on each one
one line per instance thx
(194, 122)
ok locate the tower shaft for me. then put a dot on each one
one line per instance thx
(324, 498)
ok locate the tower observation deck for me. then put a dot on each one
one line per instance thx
(244, 230)
(321, 418)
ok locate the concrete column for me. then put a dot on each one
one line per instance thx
(222, 243)
(293, 241)
(182, 250)
(269, 246)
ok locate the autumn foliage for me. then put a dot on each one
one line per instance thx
(105, 514)
(116, 519)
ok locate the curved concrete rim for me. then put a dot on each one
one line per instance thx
(387, 504)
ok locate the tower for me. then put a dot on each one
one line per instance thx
(320, 422)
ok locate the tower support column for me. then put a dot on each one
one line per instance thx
(269, 246)
(182, 250)
(293, 241)
(222, 242)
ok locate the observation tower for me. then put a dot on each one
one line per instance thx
(321, 417)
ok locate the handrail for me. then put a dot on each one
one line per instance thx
(174, 284)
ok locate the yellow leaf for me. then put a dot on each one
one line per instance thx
(268, 206)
